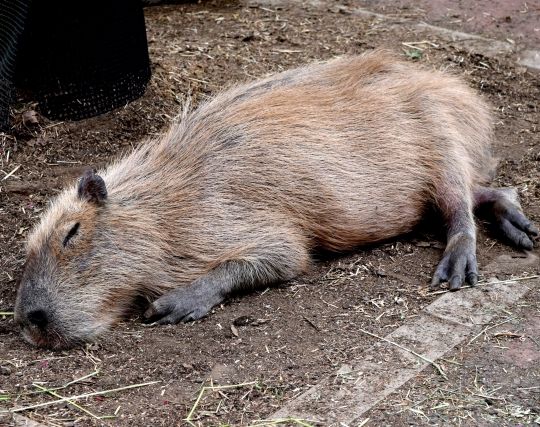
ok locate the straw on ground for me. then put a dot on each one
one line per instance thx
(189, 418)
(425, 359)
(78, 397)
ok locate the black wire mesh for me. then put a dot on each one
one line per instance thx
(78, 59)
(13, 15)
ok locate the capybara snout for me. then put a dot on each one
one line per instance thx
(240, 191)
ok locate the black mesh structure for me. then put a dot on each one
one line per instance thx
(78, 59)
(13, 14)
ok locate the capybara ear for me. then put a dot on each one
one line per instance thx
(92, 188)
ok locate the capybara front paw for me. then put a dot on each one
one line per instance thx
(514, 225)
(458, 265)
(181, 305)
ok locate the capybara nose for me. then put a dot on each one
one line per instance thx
(38, 318)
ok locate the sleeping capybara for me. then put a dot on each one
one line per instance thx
(242, 189)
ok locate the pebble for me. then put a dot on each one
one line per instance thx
(5, 370)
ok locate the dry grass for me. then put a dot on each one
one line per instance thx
(71, 399)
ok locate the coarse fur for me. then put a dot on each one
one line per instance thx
(242, 189)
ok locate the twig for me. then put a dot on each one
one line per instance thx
(496, 282)
(328, 304)
(212, 388)
(79, 407)
(507, 334)
(80, 396)
(91, 374)
(288, 421)
(11, 173)
(413, 44)
(6, 313)
(425, 359)
(412, 47)
(311, 323)
(487, 328)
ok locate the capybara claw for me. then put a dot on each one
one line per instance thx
(472, 279)
(455, 282)
(184, 304)
(458, 265)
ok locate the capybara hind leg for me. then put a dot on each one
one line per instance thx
(257, 266)
(458, 264)
(501, 207)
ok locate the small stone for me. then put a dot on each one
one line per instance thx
(30, 118)
(380, 273)
(344, 370)
(5, 370)
(243, 321)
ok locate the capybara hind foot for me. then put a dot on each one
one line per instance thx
(515, 226)
(458, 264)
(185, 304)
(501, 206)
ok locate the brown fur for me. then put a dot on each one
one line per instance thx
(331, 155)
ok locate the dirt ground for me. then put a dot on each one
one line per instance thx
(516, 21)
(271, 345)
(493, 378)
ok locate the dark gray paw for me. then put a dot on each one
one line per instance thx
(514, 225)
(183, 304)
(458, 265)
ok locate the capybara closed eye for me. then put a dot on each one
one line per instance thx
(239, 192)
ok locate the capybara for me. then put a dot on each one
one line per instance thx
(239, 193)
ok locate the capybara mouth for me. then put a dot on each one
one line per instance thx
(49, 339)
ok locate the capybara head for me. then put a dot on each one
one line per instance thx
(65, 291)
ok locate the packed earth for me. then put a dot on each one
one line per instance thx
(256, 352)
